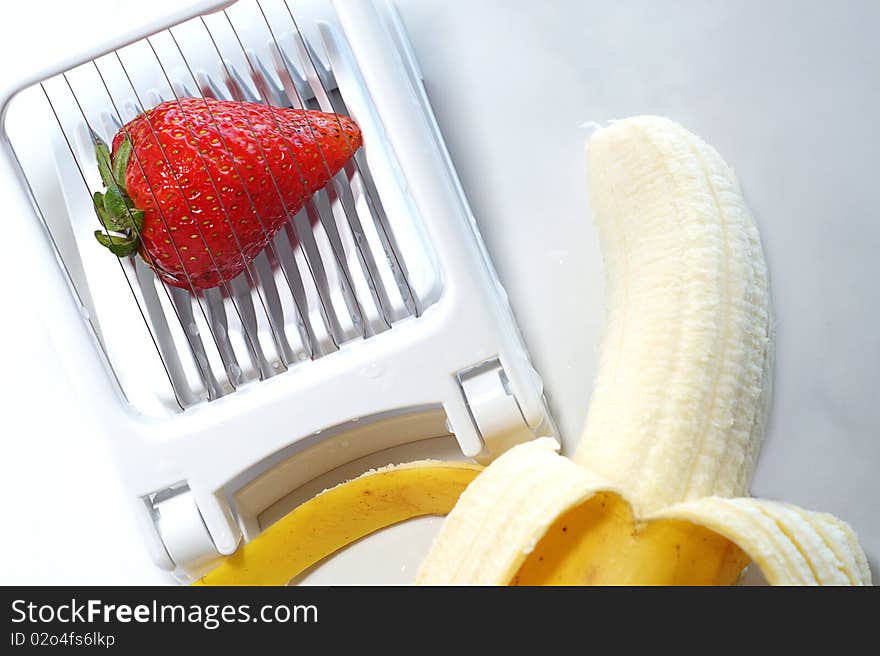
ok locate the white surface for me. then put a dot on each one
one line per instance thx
(785, 90)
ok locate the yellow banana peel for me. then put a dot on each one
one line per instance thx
(342, 515)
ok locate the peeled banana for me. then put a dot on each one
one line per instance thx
(678, 410)
(683, 384)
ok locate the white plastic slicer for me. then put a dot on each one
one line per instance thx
(374, 320)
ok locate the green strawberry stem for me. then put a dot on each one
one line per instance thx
(114, 208)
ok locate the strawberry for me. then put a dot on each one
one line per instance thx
(212, 181)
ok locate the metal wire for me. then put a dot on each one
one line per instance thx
(211, 386)
(224, 282)
(336, 214)
(276, 186)
(204, 370)
(291, 226)
(219, 198)
(121, 266)
(178, 303)
(395, 261)
(310, 340)
(332, 179)
(360, 319)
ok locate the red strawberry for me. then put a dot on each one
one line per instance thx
(199, 187)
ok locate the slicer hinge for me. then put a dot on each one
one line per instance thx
(493, 407)
(182, 529)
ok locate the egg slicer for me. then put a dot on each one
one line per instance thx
(374, 319)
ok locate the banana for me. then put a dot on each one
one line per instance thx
(678, 409)
(341, 515)
(683, 384)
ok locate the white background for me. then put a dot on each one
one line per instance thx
(786, 90)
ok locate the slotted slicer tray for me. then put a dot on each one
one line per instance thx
(333, 274)
(372, 319)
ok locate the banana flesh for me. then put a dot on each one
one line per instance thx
(536, 518)
(504, 512)
(683, 383)
(342, 515)
(678, 410)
